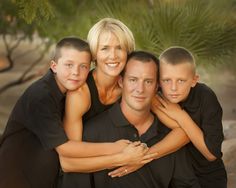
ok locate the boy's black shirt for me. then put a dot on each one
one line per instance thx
(33, 130)
(204, 108)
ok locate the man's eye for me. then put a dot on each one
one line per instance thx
(132, 80)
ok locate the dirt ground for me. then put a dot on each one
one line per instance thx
(221, 80)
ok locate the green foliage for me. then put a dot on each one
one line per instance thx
(204, 27)
(31, 10)
(207, 28)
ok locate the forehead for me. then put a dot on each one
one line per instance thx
(74, 55)
(182, 69)
(106, 37)
(141, 69)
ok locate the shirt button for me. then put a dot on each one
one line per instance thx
(135, 135)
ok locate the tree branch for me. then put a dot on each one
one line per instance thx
(24, 77)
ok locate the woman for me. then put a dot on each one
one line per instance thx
(110, 42)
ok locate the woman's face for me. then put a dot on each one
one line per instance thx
(111, 57)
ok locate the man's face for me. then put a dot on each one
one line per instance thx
(139, 85)
(71, 69)
(177, 80)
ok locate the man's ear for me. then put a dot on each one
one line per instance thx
(195, 80)
(120, 82)
(53, 66)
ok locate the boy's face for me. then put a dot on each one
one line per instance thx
(71, 69)
(177, 80)
(139, 85)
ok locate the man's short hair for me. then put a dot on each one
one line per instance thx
(70, 42)
(142, 56)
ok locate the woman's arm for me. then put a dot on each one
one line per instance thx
(132, 154)
(77, 104)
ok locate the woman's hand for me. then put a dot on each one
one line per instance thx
(124, 170)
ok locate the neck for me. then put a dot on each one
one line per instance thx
(107, 86)
(141, 120)
(105, 82)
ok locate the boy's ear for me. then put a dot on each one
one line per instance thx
(195, 80)
(53, 66)
(120, 82)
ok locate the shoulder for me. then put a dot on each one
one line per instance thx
(39, 91)
(203, 92)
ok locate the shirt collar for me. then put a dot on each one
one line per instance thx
(117, 115)
(119, 120)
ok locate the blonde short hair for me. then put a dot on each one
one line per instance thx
(175, 55)
(111, 25)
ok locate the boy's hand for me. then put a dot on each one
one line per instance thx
(171, 109)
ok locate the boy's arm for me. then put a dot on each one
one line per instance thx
(194, 133)
(176, 139)
(164, 118)
(173, 141)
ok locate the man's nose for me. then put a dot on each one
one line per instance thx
(140, 87)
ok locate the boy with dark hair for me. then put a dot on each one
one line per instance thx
(34, 130)
(199, 114)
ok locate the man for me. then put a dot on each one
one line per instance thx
(132, 119)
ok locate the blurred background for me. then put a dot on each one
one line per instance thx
(29, 30)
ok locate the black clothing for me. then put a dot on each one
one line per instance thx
(203, 107)
(111, 126)
(96, 106)
(34, 129)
